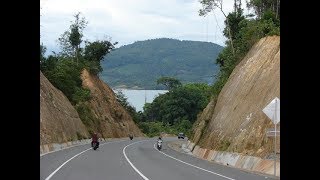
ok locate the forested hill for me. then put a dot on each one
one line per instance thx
(140, 64)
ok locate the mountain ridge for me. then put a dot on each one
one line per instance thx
(139, 65)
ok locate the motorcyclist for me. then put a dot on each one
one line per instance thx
(95, 139)
(159, 142)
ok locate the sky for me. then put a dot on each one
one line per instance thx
(128, 21)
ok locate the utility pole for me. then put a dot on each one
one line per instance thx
(145, 96)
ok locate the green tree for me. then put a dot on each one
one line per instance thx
(245, 32)
(63, 71)
(184, 126)
(123, 100)
(81, 95)
(262, 6)
(94, 53)
(71, 40)
(42, 58)
(42, 52)
(209, 5)
(64, 75)
(169, 82)
(180, 103)
(234, 21)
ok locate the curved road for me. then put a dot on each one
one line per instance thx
(122, 159)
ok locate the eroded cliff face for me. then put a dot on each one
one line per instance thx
(59, 121)
(114, 121)
(236, 122)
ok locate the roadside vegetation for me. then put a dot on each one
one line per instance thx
(64, 69)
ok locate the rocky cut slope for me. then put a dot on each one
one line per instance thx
(59, 121)
(111, 119)
(236, 122)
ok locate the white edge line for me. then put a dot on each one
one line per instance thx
(63, 149)
(191, 164)
(72, 147)
(124, 153)
(74, 157)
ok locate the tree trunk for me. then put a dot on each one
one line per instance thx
(77, 55)
(231, 41)
(229, 32)
(278, 1)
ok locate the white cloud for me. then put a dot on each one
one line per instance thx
(127, 21)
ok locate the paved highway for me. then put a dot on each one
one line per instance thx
(123, 159)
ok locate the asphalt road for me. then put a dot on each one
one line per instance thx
(122, 159)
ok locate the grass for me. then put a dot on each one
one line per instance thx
(224, 145)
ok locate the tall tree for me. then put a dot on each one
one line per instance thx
(210, 5)
(71, 40)
(94, 53)
(262, 6)
(42, 52)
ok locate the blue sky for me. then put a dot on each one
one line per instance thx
(127, 21)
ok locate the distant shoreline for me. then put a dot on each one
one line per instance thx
(134, 88)
(137, 98)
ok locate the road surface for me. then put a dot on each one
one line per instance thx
(137, 159)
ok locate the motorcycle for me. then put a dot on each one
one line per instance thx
(159, 145)
(131, 137)
(95, 145)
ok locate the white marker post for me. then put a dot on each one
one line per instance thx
(272, 110)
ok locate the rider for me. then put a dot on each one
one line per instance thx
(159, 142)
(94, 139)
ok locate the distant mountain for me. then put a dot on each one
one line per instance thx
(139, 65)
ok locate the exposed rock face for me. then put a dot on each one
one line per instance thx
(114, 121)
(236, 122)
(59, 121)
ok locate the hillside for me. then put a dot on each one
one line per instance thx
(59, 121)
(236, 123)
(140, 64)
(109, 117)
